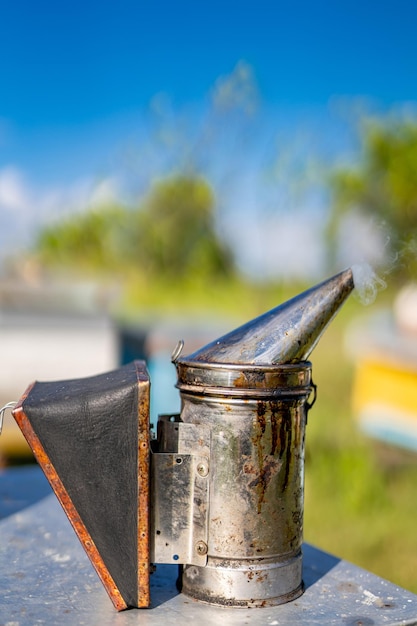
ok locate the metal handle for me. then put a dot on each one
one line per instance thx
(309, 405)
(9, 405)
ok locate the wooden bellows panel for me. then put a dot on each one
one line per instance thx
(91, 438)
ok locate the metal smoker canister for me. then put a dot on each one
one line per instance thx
(251, 387)
(257, 417)
(220, 490)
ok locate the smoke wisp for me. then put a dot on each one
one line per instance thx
(367, 283)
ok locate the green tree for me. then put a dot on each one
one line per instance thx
(170, 234)
(89, 240)
(383, 185)
(176, 230)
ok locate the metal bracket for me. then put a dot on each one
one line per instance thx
(180, 493)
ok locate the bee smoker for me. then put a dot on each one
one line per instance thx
(220, 490)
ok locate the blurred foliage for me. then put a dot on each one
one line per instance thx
(92, 240)
(170, 234)
(175, 231)
(382, 186)
(359, 495)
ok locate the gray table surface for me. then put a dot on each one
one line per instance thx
(46, 578)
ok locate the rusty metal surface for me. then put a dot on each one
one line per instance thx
(251, 387)
(243, 380)
(46, 578)
(143, 512)
(257, 418)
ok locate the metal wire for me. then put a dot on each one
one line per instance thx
(9, 405)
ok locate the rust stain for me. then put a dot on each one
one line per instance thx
(143, 511)
(282, 417)
(297, 518)
(241, 381)
(258, 483)
(263, 479)
(248, 468)
(274, 427)
(285, 437)
(261, 411)
(276, 432)
(261, 577)
(268, 464)
(250, 380)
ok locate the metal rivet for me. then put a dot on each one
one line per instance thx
(201, 548)
(202, 469)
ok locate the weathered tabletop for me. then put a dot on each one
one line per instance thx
(46, 578)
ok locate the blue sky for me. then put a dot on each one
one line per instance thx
(80, 82)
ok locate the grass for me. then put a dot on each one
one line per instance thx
(197, 297)
(360, 501)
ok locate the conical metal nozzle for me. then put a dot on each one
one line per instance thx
(286, 334)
